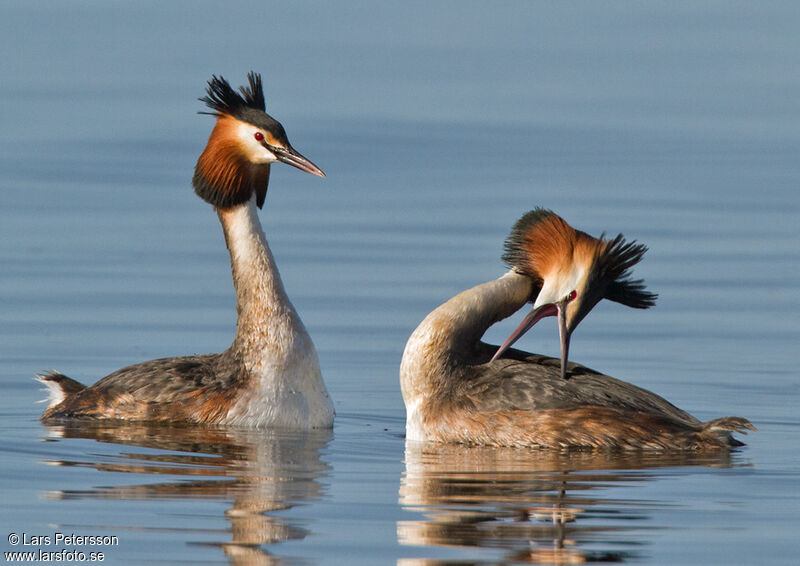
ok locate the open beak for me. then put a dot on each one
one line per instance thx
(551, 309)
(291, 157)
(527, 323)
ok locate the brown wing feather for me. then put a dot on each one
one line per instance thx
(530, 382)
(522, 400)
(579, 427)
(191, 388)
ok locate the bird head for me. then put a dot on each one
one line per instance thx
(242, 145)
(573, 271)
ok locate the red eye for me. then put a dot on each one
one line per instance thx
(571, 296)
(259, 136)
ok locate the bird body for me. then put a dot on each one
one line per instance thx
(270, 375)
(456, 391)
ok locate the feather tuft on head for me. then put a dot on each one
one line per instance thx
(223, 99)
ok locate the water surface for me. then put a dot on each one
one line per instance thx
(438, 126)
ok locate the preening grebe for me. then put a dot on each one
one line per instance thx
(270, 375)
(456, 391)
(573, 271)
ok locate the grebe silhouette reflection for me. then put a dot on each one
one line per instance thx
(533, 506)
(257, 471)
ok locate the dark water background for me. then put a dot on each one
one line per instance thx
(438, 125)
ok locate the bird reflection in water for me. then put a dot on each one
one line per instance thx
(258, 471)
(532, 506)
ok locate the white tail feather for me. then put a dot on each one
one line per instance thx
(55, 392)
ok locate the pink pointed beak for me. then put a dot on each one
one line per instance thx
(527, 323)
(537, 314)
(292, 157)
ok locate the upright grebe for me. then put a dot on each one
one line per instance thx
(270, 375)
(456, 391)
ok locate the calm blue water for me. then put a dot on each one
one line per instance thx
(438, 126)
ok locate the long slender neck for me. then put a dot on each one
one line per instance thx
(449, 334)
(267, 322)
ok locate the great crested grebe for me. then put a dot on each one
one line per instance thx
(270, 375)
(456, 391)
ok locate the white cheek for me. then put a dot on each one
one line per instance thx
(548, 294)
(553, 289)
(575, 280)
(261, 154)
(256, 152)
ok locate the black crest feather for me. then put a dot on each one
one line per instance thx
(614, 263)
(223, 99)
